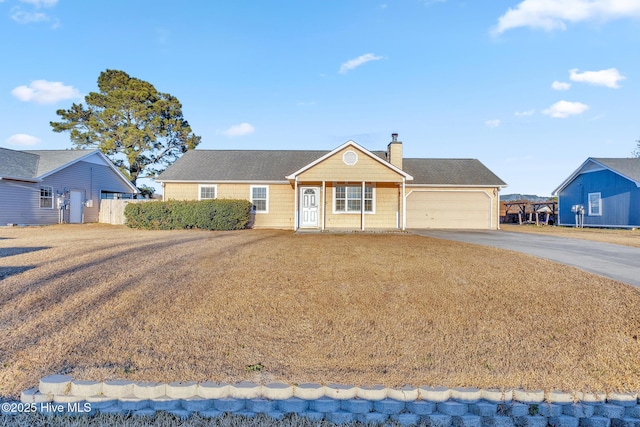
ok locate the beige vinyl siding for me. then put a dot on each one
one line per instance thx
(365, 169)
(427, 207)
(470, 208)
(386, 209)
(280, 202)
(180, 191)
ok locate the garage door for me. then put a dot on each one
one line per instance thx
(449, 209)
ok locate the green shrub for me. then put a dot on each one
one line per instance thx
(217, 214)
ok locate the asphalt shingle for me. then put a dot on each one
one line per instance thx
(18, 164)
(33, 164)
(628, 167)
(51, 160)
(275, 165)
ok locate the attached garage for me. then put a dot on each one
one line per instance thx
(470, 209)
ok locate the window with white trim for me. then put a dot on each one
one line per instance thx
(348, 199)
(595, 204)
(260, 198)
(46, 197)
(207, 192)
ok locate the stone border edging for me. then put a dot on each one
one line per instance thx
(437, 406)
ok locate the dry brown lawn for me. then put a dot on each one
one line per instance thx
(606, 235)
(102, 302)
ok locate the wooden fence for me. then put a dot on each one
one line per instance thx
(112, 210)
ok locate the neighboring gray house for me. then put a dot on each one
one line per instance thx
(605, 191)
(57, 186)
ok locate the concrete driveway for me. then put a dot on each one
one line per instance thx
(621, 263)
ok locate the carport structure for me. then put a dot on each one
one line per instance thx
(523, 211)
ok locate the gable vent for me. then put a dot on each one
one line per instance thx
(350, 158)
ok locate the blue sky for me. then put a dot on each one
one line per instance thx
(531, 88)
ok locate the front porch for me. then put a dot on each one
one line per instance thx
(349, 206)
(352, 188)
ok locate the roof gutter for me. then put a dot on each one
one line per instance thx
(14, 178)
(459, 185)
(217, 181)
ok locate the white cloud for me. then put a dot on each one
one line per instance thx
(564, 109)
(22, 17)
(45, 92)
(555, 14)
(41, 3)
(23, 139)
(356, 62)
(240, 130)
(528, 113)
(608, 78)
(493, 123)
(556, 85)
(34, 16)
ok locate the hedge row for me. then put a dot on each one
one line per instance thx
(217, 214)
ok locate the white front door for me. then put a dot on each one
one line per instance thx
(309, 204)
(75, 207)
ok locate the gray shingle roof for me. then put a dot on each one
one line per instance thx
(628, 167)
(450, 172)
(238, 165)
(51, 160)
(33, 164)
(18, 164)
(275, 165)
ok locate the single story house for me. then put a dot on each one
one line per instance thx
(349, 187)
(603, 192)
(57, 186)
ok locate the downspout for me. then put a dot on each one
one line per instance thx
(91, 183)
(493, 207)
(404, 205)
(398, 207)
(498, 206)
(295, 204)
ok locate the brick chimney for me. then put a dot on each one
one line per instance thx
(394, 151)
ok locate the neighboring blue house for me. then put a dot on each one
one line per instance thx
(608, 190)
(57, 186)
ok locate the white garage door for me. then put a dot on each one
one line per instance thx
(449, 209)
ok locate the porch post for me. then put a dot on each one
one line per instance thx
(404, 205)
(295, 204)
(362, 205)
(399, 208)
(324, 204)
